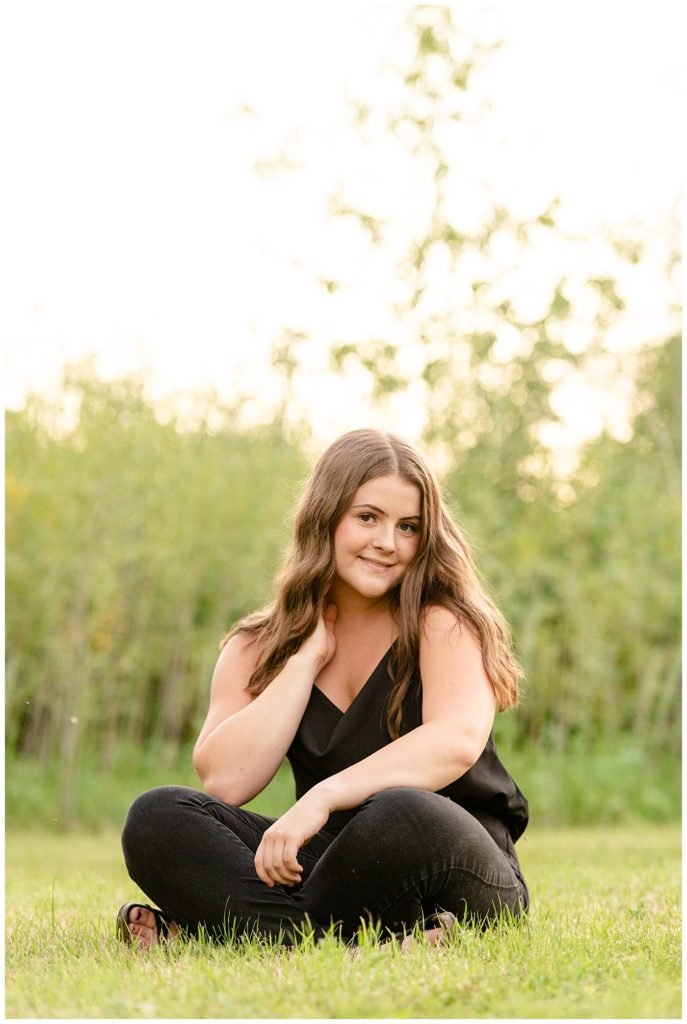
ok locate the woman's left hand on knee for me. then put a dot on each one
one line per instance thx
(276, 857)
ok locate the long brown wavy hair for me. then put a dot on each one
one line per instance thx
(442, 572)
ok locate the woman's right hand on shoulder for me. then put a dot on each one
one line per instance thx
(320, 646)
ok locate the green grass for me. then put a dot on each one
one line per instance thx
(602, 940)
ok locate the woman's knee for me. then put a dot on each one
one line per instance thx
(150, 818)
(405, 802)
(423, 820)
(406, 812)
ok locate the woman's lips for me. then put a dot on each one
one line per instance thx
(380, 567)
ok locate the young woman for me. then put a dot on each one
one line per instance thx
(377, 671)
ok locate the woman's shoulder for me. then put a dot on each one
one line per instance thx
(247, 635)
(439, 617)
(242, 646)
(439, 623)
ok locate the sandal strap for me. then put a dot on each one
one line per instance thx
(160, 923)
(123, 920)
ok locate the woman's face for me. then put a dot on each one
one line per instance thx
(378, 535)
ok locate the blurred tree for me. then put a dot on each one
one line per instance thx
(484, 344)
(132, 547)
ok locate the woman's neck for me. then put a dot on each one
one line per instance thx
(354, 610)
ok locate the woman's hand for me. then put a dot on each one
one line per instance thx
(321, 644)
(276, 857)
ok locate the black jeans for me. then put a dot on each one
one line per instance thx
(405, 855)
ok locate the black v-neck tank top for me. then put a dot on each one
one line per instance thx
(329, 740)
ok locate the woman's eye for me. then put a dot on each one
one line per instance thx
(408, 528)
(366, 517)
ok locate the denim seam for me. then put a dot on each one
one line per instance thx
(433, 874)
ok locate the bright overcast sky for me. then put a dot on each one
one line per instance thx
(134, 226)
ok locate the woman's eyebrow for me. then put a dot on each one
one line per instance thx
(375, 508)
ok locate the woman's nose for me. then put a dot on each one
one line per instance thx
(384, 538)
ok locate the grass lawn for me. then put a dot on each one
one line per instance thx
(602, 940)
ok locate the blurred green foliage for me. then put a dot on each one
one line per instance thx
(133, 546)
(135, 540)
(589, 575)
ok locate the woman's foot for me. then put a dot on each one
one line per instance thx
(433, 936)
(144, 926)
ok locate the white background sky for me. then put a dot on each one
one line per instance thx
(133, 225)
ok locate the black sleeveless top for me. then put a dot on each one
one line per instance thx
(329, 740)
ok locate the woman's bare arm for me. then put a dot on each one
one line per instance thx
(245, 738)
